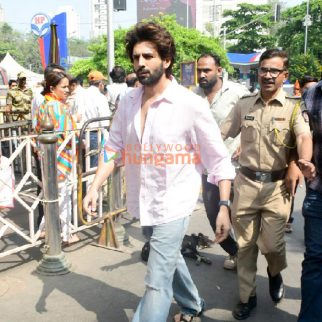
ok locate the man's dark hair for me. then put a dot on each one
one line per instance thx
(131, 81)
(154, 33)
(11, 81)
(307, 79)
(215, 57)
(118, 74)
(271, 53)
(51, 67)
(76, 80)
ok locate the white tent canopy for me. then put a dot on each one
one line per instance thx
(12, 68)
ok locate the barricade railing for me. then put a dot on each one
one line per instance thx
(18, 231)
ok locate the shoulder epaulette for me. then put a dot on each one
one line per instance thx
(249, 95)
(293, 97)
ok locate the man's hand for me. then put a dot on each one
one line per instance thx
(236, 154)
(308, 169)
(90, 202)
(293, 177)
(222, 224)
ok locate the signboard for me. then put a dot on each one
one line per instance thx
(188, 73)
(184, 10)
(40, 24)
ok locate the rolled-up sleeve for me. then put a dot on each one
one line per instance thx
(213, 152)
(113, 147)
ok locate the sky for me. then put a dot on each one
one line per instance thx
(18, 13)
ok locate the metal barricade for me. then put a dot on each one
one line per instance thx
(18, 230)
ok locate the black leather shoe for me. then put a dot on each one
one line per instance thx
(242, 310)
(276, 287)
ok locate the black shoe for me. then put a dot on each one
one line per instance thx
(242, 310)
(276, 287)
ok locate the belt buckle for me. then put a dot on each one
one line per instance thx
(263, 176)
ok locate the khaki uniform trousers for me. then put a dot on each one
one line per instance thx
(259, 214)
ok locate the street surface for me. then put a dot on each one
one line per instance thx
(106, 285)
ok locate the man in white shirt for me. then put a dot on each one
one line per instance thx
(165, 135)
(76, 100)
(118, 88)
(96, 106)
(221, 95)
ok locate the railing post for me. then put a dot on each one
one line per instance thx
(53, 261)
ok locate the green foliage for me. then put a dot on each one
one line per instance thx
(291, 34)
(301, 65)
(22, 47)
(190, 44)
(78, 47)
(249, 28)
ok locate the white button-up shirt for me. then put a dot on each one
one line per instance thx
(163, 170)
(96, 106)
(221, 105)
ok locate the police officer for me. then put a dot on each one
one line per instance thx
(271, 124)
(19, 99)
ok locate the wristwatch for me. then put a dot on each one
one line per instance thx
(226, 203)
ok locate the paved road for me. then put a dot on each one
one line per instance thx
(106, 285)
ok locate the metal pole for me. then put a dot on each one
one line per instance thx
(53, 261)
(306, 25)
(214, 18)
(110, 37)
(187, 13)
(225, 38)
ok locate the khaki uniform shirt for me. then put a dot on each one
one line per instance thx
(266, 135)
(20, 99)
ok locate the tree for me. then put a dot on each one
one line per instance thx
(190, 44)
(78, 47)
(301, 65)
(249, 28)
(291, 34)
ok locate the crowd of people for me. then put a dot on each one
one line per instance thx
(248, 151)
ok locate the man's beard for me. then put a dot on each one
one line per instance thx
(152, 78)
(208, 84)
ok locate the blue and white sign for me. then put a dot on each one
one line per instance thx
(40, 24)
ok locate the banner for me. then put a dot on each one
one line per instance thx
(185, 10)
(61, 26)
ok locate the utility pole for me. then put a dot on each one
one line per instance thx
(187, 13)
(110, 37)
(225, 28)
(306, 23)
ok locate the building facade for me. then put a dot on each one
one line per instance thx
(73, 21)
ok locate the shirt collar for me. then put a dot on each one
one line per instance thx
(280, 97)
(168, 94)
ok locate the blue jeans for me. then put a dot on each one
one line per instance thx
(167, 275)
(93, 145)
(311, 280)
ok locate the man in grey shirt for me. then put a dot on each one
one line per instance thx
(222, 96)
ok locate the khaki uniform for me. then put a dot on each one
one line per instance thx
(20, 100)
(260, 209)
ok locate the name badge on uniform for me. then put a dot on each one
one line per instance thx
(249, 118)
(278, 119)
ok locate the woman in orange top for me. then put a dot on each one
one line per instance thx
(56, 92)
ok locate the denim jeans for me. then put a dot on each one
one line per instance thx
(211, 198)
(93, 145)
(311, 280)
(167, 275)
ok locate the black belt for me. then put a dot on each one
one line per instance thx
(263, 176)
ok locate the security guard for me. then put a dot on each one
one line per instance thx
(19, 99)
(271, 124)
